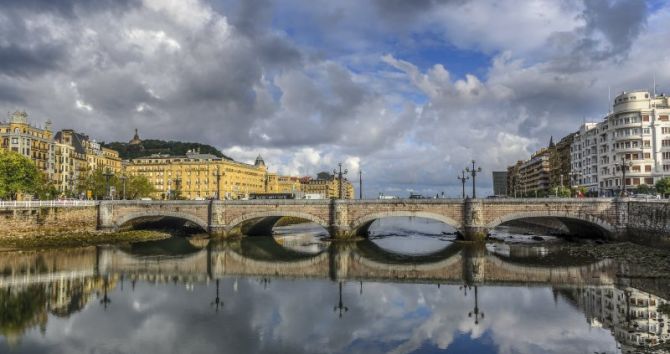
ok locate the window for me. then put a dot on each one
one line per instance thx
(647, 143)
(666, 156)
(647, 168)
(665, 143)
(645, 118)
(665, 130)
(647, 131)
(663, 118)
(647, 155)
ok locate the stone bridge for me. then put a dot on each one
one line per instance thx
(472, 218)
(263, 257)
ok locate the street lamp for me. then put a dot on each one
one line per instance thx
(463, 178)
(108, 175)
(623, 166)
(339, 177)
(177, 186)
(105, 298)
(218, 176)
(360, 184)
(476, 309)
(217, 300)
(123, 179)
(340, 305)
(473, 172)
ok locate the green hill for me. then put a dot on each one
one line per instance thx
(151, 146)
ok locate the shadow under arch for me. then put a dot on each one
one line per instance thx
(361, 226)
(582, 225)
(132, 219)
(369, 250)
(261, 223)
(269, 250)
(173, 246)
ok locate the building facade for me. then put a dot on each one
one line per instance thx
(584, 157)
(634, 136)
(194, 176)
(328, 186)
(560, 159)
(77, 156)
(500, 183)
(33, 142)
(631, 315)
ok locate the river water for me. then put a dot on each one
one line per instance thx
(409, 288)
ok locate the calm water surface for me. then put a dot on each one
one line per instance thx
(408, 289)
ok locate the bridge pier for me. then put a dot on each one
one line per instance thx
(473, 225)
(475, 233)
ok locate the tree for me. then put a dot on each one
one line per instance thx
(645, 189)
(562, 191)
(46, 188)
(96, 183)
(18, 174)
(136, 187)
(663, 186)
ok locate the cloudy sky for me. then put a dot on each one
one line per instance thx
(409, 91)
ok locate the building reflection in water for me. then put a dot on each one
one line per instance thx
(35, 285)
(632, 315)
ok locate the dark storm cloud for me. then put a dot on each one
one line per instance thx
(27, 61)
(619, 21)
(66, 8)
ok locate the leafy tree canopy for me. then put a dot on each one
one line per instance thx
(663, 186)
(18, 174)
(645, 189)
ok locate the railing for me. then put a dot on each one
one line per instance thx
(46, 203)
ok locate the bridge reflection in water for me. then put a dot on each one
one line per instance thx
(62, 282)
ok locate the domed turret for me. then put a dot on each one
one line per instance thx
(259, 161)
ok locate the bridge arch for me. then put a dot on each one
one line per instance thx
(571, 220)
(361, 226)
(122, 220)
(262, 222)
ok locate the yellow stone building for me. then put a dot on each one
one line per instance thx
(76, 156)
(283, 184)
(31, 141)
(328, 186)
(194, 176)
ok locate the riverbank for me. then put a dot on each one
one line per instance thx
(637, 261)
(80, 239)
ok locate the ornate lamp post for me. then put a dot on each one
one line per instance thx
(218, 176)
(177, 186)
(123, 179)
(462, 177)
(217, 300)
(108, 175)
(476, 309)
(105, 299)
(340, 305)
(473, 172)
(360, 184)
(623, 166)
(339, 177)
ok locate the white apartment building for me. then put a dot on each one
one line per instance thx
(584, 159)
(636, 134)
